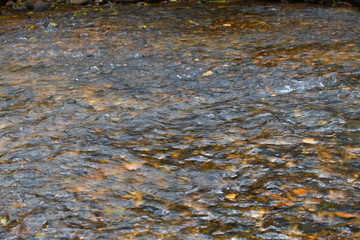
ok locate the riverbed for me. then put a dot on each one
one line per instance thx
(180, 121)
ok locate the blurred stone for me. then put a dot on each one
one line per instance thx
(10, 4)
(29, 5)
(355, 3)
(20, 8)
(79, 2)
(41, 6)
(140, 3)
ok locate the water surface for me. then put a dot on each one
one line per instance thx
(208, 121)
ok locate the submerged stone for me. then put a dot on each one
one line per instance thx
(41, 6)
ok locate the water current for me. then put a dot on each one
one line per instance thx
(174, 121)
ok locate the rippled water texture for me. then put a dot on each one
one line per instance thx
(181, 122)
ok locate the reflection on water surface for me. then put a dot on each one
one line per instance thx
(181, 122)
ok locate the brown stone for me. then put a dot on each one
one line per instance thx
(79, 2)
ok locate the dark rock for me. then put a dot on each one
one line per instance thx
(10, 4)
(41, 6)
(355, 3)
(79, 2)
(29, 5)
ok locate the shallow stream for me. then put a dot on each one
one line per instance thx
(172, 121)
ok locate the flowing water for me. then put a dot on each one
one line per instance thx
(173, 121)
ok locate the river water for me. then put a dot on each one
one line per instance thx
(173, 121)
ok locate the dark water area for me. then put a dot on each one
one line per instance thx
(208, 121)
